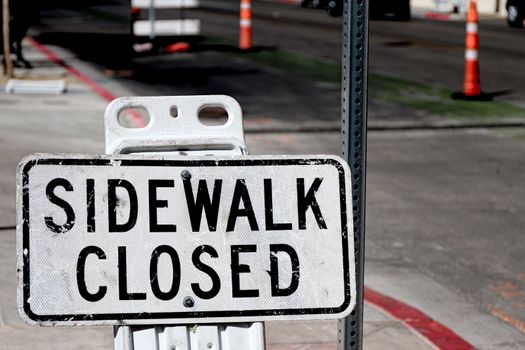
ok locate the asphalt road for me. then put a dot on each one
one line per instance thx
(447, 204)
(418, 50)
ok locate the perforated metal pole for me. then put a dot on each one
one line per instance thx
(353, 132)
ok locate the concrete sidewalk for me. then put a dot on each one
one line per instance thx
(73, 123)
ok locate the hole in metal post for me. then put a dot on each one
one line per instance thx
(133, 117)
(213, 115)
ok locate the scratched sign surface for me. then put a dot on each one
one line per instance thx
(128, 240)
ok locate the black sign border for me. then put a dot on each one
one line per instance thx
(121, 318)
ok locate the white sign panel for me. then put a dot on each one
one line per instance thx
(161, 4)
(127, 240)
(167, 27)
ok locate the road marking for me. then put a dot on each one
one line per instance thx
(502, 315)
(508, 290)
(437, 334)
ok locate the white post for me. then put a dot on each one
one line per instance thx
(152, 19)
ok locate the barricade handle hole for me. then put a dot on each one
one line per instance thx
(213, 115)
(174, 112)
(135, 117)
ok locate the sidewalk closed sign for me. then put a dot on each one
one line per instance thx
(127, 240)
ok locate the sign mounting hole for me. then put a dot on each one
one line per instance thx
(213, 116)
(188, 302)
(133, 117)
(174, 112)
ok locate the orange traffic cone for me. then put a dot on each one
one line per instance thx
(471, 84)
(245, 25)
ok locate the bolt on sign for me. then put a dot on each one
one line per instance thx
(128, 240)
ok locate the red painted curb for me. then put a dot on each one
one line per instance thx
(436, 333)
(102, 92)
(330, 346)
(437, 16)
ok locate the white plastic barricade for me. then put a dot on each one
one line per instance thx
(178, 237)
